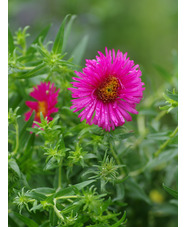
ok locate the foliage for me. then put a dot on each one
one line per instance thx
(67, 173)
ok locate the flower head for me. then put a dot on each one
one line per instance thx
(46, 96)
(107, 90)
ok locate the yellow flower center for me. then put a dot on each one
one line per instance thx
(42, 107)
(108, 90)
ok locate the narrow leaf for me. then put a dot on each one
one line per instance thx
(163, 157)
(27, 221)
(44, 190)
(51, 164)
(23, 133)
(11, 221)
(67, 31)
(58, 43)
(172, 96)
(36, 195)
(83, 184)
(171, 191)
(120, 221)
(43, 35)
(34, 72)
(11, 46)
(53, 217)
(70, 190)
(13, 165)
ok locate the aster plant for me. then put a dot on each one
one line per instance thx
(99, 172)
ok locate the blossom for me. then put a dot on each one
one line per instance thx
(107, 90)
(46, 96)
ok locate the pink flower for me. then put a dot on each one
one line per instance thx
(107, 90)
(46, 97)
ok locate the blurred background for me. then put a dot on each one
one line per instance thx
(147, 30)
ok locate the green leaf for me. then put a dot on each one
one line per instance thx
(43, 52)
(122, 136)
(44, 190)
(83, 184)
(35, 195)
(79, 51)
(40, 37)
(45, 224)
(24, 134)
(70, 190)
(27, 221)
(171, 100)
(74, 207)
(51, 164)
(32, 73)
(163, 157)
(36, 207)
(11, 221)
(120, 192)
(67, 31)
(13, 165)
(120, 221)
(58, 43)
(11, 46)
(172, 95)
(99, 225)
(53, 217)
(158, 136)
(171, 191)
(63, 192)
(89, 156)
(165, 209)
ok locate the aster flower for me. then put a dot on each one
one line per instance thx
(107, 90)
(46, 96)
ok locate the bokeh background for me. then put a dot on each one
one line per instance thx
(147, 30)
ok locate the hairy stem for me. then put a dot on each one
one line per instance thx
(67, 197)
(57, 211)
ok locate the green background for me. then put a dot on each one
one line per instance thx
(146, 29)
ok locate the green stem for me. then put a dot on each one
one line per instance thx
(67, 197)
(57, 211)
(138, 171)
(160, 115)
(59, 176)
(26, 67)
(17, 138)
(163, 146)
(117, 159)
(24, 48)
